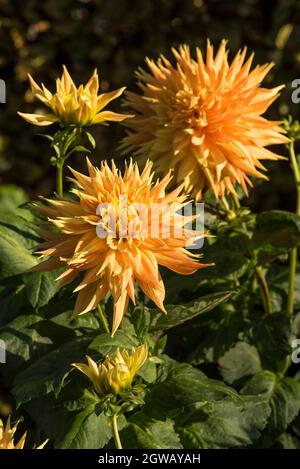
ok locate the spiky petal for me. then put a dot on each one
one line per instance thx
(7, 433)
(114, 261)
(114, 374)
(80, 106)
(204, 119)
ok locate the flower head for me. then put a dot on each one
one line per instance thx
(80, 106)
(115, 374)
(7, 437)
(118, 232)
(204, 119)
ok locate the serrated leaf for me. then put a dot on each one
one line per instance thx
(86, 431)
(240, 361)
(215, 335)
(285, 404)
(178, 314)
(206, 412)
(105, 344)
(226, 424)
(148, 372)
(275, 232)
(288, 441)
(145, 432)
(16, 240)
(283, 397)
(13, 299)
(49, 372)
(271, 337)
(71, 426)
(40, 287)
(23, 342)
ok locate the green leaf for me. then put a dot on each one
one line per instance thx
(182, 387)
(40, 287)
(215, 335)
(225, 424)
(13, 299)
(178, 314)
(275, 232)
(11, 197)
(23, 342)
(16, 239)
(90, 139)
(105, 344)
(148, 372)
(206, 412)
(71, 424)
(285, 404)
(86, 431)
(49, 372)
(278, 280)
(283, 397)
(79, 149)
(145, 432)
(271, 337)
(240, 361)
(230, 253)
(288, 441)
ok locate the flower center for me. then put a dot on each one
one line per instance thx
(189, 109)
(120, 223)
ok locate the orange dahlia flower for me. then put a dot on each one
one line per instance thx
(71, 105)
(7, 437)
(204, 119)
(118, 231)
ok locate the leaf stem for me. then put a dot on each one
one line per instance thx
(293, 253)
(103, 319)
(264, 289)
(258, 270)
(114, 421)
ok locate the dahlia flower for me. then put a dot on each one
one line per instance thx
(115, 374)
(7, 437)
(80, 106)
(118, 231)
(204, 119)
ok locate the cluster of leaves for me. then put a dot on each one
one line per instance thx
(219, 373)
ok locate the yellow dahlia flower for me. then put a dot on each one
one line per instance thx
(115, 374)
(115, 234)
(7, 437)
(70, 105)
(204, 119)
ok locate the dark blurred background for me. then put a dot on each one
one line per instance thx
(37, 37)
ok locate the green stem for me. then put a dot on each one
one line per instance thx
(264, 289)
(116, 431)
(103, 319)
(258, 271)
(293, 253)
(59, 178)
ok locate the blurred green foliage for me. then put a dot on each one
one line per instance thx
(38, 37)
